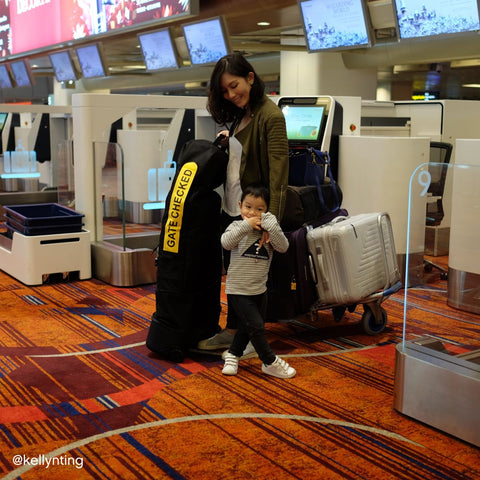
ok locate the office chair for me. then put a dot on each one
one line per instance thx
(440, 154)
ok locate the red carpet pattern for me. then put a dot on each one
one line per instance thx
(82, 397)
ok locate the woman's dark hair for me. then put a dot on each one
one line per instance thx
(222, 110)
(257, 190)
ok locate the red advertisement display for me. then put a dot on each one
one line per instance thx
(4, 28)
(50, 22)
(54, 21)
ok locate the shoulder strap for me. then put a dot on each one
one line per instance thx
(233, 126)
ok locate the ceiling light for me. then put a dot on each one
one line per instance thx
(471, 85)
(473, 62)
(263, 24)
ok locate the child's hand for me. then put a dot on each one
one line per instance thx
(265, 238)
(255, 222)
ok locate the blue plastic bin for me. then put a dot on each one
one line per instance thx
(42, 219)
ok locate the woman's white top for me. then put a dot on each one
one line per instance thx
(233, 190)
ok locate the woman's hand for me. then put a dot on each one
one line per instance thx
(224, 140)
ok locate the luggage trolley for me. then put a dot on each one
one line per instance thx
(317, 121)
(353, 261)
(374, 317)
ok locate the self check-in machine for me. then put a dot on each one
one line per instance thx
(129, 175)
(314, 121)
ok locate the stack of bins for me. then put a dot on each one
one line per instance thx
(43, 240)
(42, 219)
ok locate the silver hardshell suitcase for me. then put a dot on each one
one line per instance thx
(353, 257)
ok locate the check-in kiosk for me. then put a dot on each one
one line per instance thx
(129, 174)
(464, 256)
(314, 121)
(440, 121)
(374, 174)
(375, 167)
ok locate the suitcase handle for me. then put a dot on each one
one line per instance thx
(338, 219)
(312, 268)
(323, 276)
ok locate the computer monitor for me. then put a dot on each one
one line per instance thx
(158, 50)
(207, 40)
(63, 67)
(91, 61)
(3, 119)
(22, 73)
(5, 79)
(304, 123)
(334, 25)
(426, 18)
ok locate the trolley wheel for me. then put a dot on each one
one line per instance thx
(374, 322)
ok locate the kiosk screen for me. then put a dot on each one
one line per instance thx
(304, 123)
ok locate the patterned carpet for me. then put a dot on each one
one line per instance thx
(82, 397)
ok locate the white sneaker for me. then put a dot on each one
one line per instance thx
(279, 368)
(231, 364)
(249, 352)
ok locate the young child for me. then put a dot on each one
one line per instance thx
(247, 278)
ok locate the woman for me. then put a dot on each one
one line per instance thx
(258, 150)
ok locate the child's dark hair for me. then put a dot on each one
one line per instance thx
(257, 190)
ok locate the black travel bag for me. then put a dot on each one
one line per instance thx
(312, 191)
(291, 288)
(303, 205)
(189, 262)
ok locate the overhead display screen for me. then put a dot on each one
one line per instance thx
(424, 18)
(334, 24)
(5, 81)
(57, 21)
(91, 61)
(158, 50)
(21, 74)
(206, 40)
(63, 66)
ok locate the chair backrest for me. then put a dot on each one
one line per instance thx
(440, 154)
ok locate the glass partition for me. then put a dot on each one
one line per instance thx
(448, 221)
(130, 205)
(110, 189)
(437, 364)
(25, 180)
(130, 197)
(63, 174)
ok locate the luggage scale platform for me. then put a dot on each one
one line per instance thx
(31, 259)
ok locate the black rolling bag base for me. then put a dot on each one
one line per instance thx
(172, 353)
